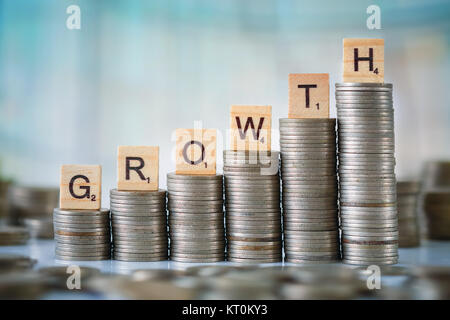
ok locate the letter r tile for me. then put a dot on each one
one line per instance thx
(138, 168)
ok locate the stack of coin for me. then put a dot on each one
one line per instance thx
(15, 263)
(4, 185)
(32, 207)
(40, 228)
(252, 201)
(82, 235)
(407, 205)
(13, 236)
(436, 206)
(367, 184)
(435, 176)
(139, 225)
(308, 173)
(196, 221)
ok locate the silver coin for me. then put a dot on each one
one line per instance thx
(296, 136)
(200, 260)
(206, 254)
(313, 121)
(78, 254)
(154, 250)
(356, 85)
(352, 114)
(195, 222)
(287, 216)
(255, 255)
(129, 255)
(252, 192)
(143, 215)
(309, 188)
(138, 229)
(308, 127)
(353, 96)
(177, 177)
(76, 258)
(365, 125)
(133, 259)
(82, 238)
(82, 249)
(81, 220)
(137, 194)
(309, 156)
(251, 186)
(140, 243)
(303, 140)
(308, 163)
(196, 217)
(139, 219)
(367, 214)
(198, 196)
(356, 129)
(211, 189)
(363, 93)
(253, 261)
(257, 179)
(370, 239)
(150, 203)
(66, 212)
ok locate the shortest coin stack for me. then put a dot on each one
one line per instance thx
(408, 227)
(196, 220)
(82, 235)
(139, 225)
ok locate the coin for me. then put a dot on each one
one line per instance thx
(11, 235)
(82, 234)
(367, 170)
(196, 225)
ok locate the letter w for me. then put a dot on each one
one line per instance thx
(250, 123)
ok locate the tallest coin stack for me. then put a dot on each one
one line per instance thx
(367, 184)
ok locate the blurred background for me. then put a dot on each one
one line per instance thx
(137, 70)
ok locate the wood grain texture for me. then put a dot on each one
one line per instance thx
(250, 128)
(309, 95)
(138, 168)
(365, 71)
(85, 181)
(196, 151)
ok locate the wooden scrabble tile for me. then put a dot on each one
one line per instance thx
(137, 168)
(196, 151)
(309, 95)
(80, 187)
(251, 128)
(363, 60)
